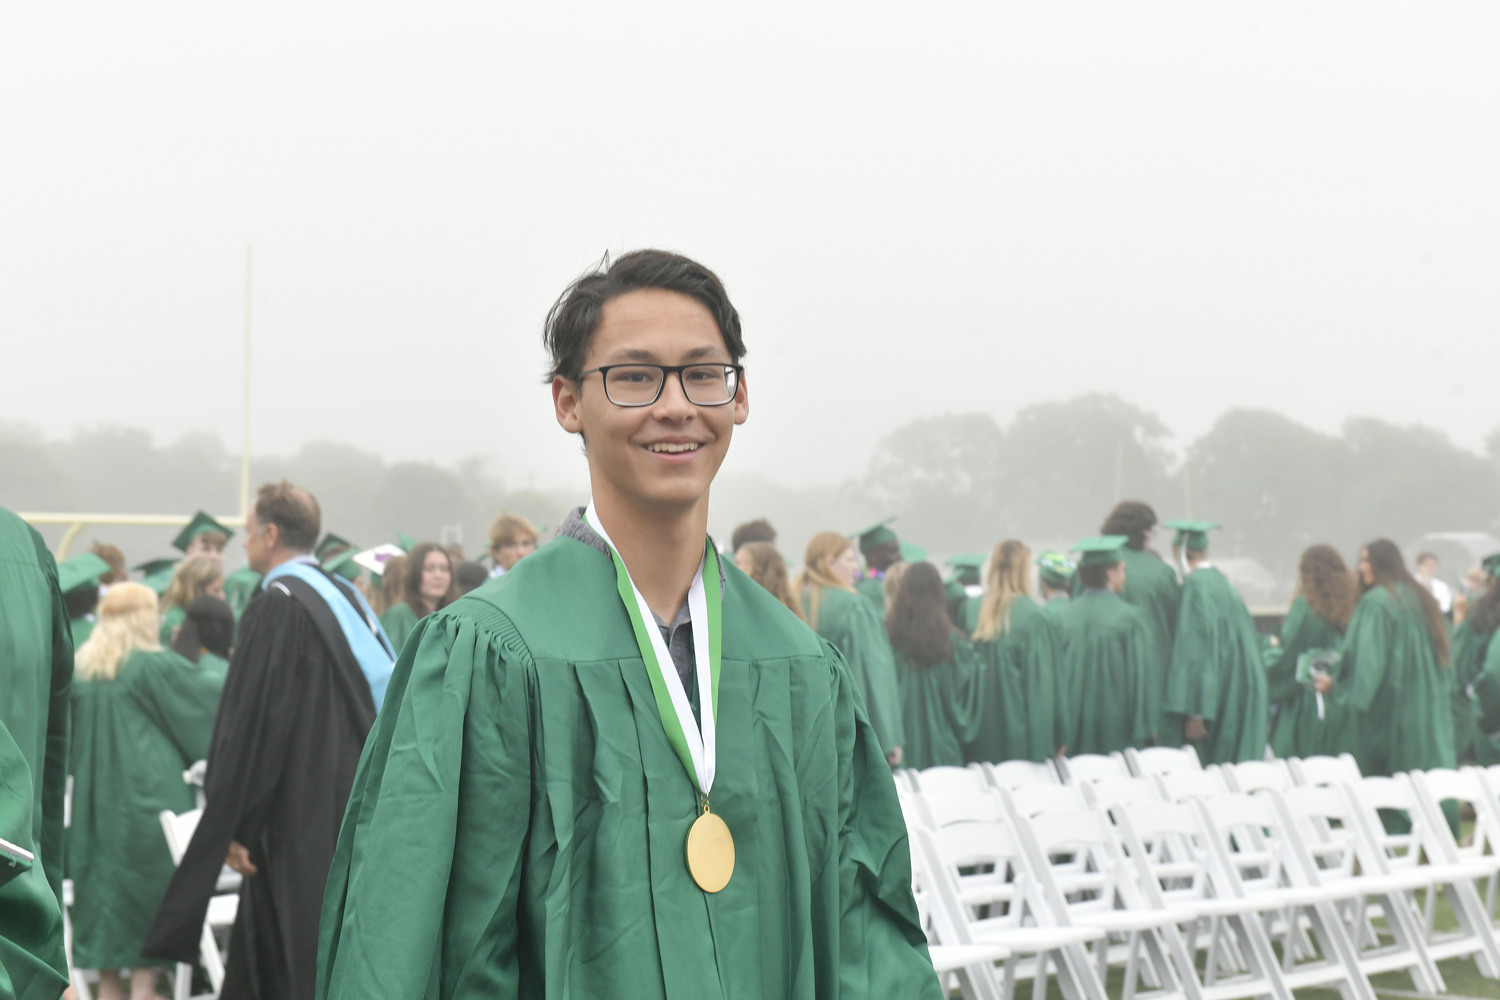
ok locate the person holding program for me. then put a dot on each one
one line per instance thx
(624, 769)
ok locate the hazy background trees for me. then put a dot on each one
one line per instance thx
(958, 482)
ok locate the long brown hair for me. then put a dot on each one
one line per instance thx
(918, 623)
(414, 565)
(1484, 615)
(1009, 578)
(1326, 584)
(822, 549)
(1390, 569)
(768, 568)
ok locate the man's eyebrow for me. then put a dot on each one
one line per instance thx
(650, 357)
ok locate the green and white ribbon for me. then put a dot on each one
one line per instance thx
(695, 748)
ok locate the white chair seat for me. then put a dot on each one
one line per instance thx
(952, 957)
(222, 909)
(1124, 921)
(1034, 939)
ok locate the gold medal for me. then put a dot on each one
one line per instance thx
(710, 851)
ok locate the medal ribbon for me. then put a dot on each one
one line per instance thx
(695, 749)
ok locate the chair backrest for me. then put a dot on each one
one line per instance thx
(1468, 787)
(1162, 760)
(1325, 820)
(1166, 843)
(1031, 800)
(1252, 840)
(947, 808)
(178, 829)
(1016, 773)
(1000, 888)
(1340, 770)
(1113, 793)
(1253, 775)
(1372, 794)
(942, 779)
(1177, 786)
(1093, 767)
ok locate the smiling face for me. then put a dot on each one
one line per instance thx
(664, 456)
(437, 577)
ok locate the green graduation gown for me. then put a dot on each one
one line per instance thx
(1107, 676)
(133, 736)
(171, 620)
(1487, 700)
(872, 588)
(36, 669)
(81, 628)
(1467, 657)
(1151, 585)
(859, 633)
(239, 587)
(939, 707)
(1217, 672)
(1298, 731)
(398, 622)
(517, 824)
(1020, 713)
(1390, 679)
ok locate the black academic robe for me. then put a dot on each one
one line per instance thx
(290, 728)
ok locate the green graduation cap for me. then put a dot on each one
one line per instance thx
(332, 545)
(1056, 569)
(1192, 535)
(912, 553)
(343, 564)
(406, 542)
(201, 524)
(1491, 564)
(82, 570)
(968, 567)
(874, 536)
(157, 573)
(1103, 550)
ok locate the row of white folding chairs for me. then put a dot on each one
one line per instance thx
(1336, 842)
(1066, 770)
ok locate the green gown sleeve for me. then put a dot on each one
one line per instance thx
(181, 699)
(398, 622)
(170, 621)
(858, 633)
(1367, 652)
(1193, 679)
(1281, 669)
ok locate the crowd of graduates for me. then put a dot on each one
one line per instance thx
(1015, 655)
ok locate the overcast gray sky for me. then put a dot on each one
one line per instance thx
(918, 208)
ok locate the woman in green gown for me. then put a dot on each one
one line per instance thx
(141, 715)
(1476, 674)
(194, 577)
(207, 635)
(429, 586)
(1394, 677)
(1318, 617)
(1017, 643)
(844, 617)
(937, 668)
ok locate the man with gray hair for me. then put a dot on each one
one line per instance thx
(307, 677)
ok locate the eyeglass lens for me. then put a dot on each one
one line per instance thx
(639, 385)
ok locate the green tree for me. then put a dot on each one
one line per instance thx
(940, 476)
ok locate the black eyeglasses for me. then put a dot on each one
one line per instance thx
(640, 385)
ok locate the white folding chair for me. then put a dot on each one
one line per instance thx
(1334, 849)
(195, 776)
(1015, 773)
(1162, 760)
(222, 907)
(1340, 770)
(1253, 775)
(1105, 794)
(1469, 871)
(1008, 914)
(1053, 842)
(942, 779)
(1171, 850)
(1179, 786)
(1255, 852)
(1093, 767)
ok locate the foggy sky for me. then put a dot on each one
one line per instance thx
(918, 209)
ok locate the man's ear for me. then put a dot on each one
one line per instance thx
(567, 404)
(741, 402)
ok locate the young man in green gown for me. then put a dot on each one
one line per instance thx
(530, 812)
(1107, 683)
(1216, 695)
(78, 577)
(881, 548)
(1150, 583)
(36, 671)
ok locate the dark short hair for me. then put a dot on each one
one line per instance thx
(1132, 519)
(470, 576)
(1095, 576)
(759, 530)
(294, 511)
(574, 317)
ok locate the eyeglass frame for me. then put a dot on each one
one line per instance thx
(604, 370)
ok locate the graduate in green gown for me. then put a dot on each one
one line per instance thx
(837, 613)
(1150, 584)
(1476, 674)
(36, 671)
(1320, 612)
(157, 574)
(1107, 677)
(881, 548)
(79, 577)
(1055, 573)
(966, 590)
(194, 577)
(207, 635)
(939, 672)
(1395, 676)
(519, 824)
(239, 587)
(141, 715)
(1021, 714)
(430, 586)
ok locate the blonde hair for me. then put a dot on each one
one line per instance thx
(191, 581)
(822, 549)
(768, 569)
(509, 529)
(893, 577)
(1009, 577)
(127, 622)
